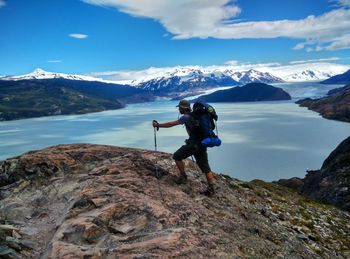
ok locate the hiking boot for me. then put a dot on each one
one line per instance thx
(182, 179)
(209, 191)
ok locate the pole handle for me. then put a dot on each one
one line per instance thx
(154, 121)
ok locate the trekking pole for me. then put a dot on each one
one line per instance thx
(157, 173)
(155, 139)
(155, 142)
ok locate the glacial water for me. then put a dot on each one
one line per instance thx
(264, 140)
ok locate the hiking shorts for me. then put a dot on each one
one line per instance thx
(198, 151)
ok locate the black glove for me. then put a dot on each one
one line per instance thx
(156, 122)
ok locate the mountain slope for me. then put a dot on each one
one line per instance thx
(93, 201)
(331, 183)
(338, 79)
(248, 93)
(34, 98)
(307, 75)
(192, 81)
(254, 76)
(42, 74)
(335, 106)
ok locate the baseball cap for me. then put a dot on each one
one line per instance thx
(184, 104)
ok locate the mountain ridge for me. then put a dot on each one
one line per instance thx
(308, 75)
(39, 73)
(57, 96)
(317, 72)
(206, 79)
(175, 84)
(343, 78)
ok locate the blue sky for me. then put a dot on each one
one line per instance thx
(85, 36)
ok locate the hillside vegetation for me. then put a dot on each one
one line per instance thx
(36, 98)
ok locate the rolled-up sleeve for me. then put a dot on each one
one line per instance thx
(184, 118)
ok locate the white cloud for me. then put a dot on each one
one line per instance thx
(207, 18)
(342, 42)
(322, 67)
(2, 3)
(345, 3)
(231, 63)
(299, 46)
(314, 60)
(182, 18)
(55, 61)
(78, 35)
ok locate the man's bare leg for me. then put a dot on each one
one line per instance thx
(181, 166)
(210, 178)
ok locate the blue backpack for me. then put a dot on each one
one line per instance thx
(204, 122)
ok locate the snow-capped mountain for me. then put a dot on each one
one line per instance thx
(308, 75)
(185, 79)
(253, 76)
(236, 75)
(192, 80)
(42, 74)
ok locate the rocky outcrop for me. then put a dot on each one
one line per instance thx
(94, 201)
(332, 182)
(335, 106)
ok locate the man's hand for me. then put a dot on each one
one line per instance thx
(169, 124)
(155, 124)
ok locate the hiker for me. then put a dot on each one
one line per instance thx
(193, 147)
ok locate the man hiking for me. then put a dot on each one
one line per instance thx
(193, 147)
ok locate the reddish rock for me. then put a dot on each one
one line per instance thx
(94, 201)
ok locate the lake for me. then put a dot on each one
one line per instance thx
(264, 140)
